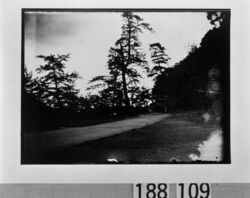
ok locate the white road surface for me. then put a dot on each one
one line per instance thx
(78, 135)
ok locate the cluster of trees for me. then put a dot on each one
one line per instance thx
(53, 87)
(186, 85)
(121, 87)
(119, 92)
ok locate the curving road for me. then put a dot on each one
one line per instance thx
(152, 138)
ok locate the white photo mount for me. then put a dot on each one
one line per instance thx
(11, 171)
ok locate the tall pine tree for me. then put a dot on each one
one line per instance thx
(129, 48)
(159, 58)
(60, 89)
(124, 59)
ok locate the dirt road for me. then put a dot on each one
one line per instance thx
(77, 135)
(152, 139)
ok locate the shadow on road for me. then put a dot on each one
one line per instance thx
(167, 139)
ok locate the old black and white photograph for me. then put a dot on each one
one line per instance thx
(125, 86)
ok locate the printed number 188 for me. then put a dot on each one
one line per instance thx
(151, 190)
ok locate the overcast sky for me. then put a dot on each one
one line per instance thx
(87, 36)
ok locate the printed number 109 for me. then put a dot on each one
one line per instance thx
(193, 190)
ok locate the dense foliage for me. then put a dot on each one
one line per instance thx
(53, 87)
(188, 84)
(124, 58)
(159, 58)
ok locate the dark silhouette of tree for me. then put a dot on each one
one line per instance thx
(110, 86)
(84, 104)
(127, 52)
(58, 86)
(28, 80)
(159, 58)
(218, 19)
(140, 96)
(120, 85)
(34, 85)
(111, 90)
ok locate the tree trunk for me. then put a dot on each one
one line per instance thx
(124, 83)
(57, 97)
(125, 90)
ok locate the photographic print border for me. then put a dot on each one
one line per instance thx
(226, 100)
